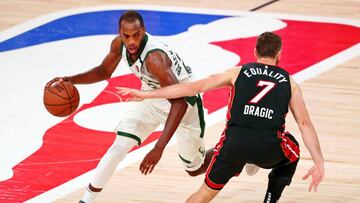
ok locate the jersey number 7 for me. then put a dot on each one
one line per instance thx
(267, 87)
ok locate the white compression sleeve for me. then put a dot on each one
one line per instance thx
(108, 164)
(111, 159)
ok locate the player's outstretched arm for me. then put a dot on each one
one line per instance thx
(310, 138)
(159, 65)
(99, 73)
(222, 79)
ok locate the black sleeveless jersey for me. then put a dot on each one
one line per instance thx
(260, 97)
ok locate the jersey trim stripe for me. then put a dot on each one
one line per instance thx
(231, 99)
(184, 160)
(210, 183)
(290, 148)
(198, 101)
(217, 148)
(201, 115)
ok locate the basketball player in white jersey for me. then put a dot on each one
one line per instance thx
(156, 65)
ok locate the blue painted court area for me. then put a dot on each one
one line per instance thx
(158, 23)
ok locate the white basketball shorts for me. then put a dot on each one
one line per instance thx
(142, 118)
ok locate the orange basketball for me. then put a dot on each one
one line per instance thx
(61, 98)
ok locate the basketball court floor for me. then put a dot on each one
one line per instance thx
(50, 159)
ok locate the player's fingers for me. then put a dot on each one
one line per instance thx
(311, 186)
(121, 88)
(317, 183)
(151, 168)
(146, 169)
(143, 171)
(52, 81)
(125, 91)
(122, 92)
(142, 166)
(49, 83)
(306, 175)
(130, 99)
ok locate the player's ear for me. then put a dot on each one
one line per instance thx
(255, 53)
(143, 29)
(278, 55)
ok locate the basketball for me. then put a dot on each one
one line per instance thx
(61, 98)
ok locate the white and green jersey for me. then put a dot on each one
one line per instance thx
(148, 45)
(144, 117)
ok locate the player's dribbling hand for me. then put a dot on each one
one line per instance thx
(317, 175)
(150, 160)
(48, 84)
(133, 94)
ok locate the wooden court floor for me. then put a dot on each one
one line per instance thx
(332, 98)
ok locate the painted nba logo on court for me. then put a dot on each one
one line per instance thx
(64, 150)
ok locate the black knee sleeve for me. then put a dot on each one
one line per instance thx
(283, 173)
(279, 177)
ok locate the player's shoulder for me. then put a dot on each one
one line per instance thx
(116, 43)
(233, 73)
(235, 69)
(294, 86)
(155, 55)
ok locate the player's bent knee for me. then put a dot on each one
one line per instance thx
(283, 180)
(118, 152)
(194, 167)
(121, 146)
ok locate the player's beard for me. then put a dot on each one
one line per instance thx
(133, 50)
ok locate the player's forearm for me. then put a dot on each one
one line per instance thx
(94, 75)
(172, 92)
(177, 112)
(312, 143)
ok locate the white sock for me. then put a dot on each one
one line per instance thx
(89, 196)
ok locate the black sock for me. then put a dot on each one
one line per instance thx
(274, 191)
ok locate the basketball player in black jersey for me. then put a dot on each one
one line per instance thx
(261, 95)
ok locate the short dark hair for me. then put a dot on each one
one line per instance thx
(268, 44)
(131, 16)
